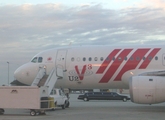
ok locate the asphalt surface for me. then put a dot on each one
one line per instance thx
(93, 110)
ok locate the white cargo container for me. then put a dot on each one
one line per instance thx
(25, 97)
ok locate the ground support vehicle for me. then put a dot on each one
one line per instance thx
(34, 98)
(60, 99)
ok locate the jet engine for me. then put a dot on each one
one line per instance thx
(147, 89)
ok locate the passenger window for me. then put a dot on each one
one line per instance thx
(90, 94)
(72, 59)
(107, 59)
(97, 93)
(101, 59)
(107, 93)
(125, 58)
(90, 59)
(34, 60)
(131, 58)
(150, 58)
(40, 59)
(95, 58)
(144, 58)
(156, 58)
(119, 58)
(113, 58)
(78, 59)
(84, 59)
(137, 58)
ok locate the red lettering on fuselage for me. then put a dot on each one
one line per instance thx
(80, 75)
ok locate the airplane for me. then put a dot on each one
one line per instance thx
(139, 69)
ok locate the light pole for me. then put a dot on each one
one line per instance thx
(8, 73)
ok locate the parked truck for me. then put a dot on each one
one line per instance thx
(60, 99)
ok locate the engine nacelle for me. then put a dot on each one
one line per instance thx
(147, 89)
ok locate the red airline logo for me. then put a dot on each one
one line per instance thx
(80, 71)
(129, 65)
(80, 75)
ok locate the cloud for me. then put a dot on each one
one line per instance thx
(152, 4)
(27, 29)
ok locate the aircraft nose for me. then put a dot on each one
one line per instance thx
(25, 74)
(19, 74)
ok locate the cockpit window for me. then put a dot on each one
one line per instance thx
(40, 59)
(37, 60)
(34, 60)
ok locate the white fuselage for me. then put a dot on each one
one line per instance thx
(95, 66)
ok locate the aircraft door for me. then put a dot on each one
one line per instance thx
(61, 59)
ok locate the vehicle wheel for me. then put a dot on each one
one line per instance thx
(55, 104)
(63, 106)
(67, 105)
(86, 99)
(32, 113)
(2, 111)
(125, 99)
(42, 112)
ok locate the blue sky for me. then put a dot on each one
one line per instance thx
(30, 26)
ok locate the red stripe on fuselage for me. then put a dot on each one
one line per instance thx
(107, 61)
(115, 65)
(132, 62)
(148, 59)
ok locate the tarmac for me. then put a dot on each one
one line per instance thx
(93, 110)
